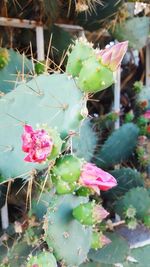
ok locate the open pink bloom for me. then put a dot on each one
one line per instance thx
(147, 114)
(112, 56)
(96, 179)
(37, 144)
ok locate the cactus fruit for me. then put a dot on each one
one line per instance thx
(65, 173)
(61, 231)
(63, 187)
(138, 198)
(4, 57)
(81, 51)
(89, 213)
(83, 191)
(94, 77)
(67, 168)
(57, 102)
(99, 240)
(43, 259)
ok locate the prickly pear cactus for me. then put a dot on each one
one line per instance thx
(69, 240)
(81, 51)
(43, 259)
(135, 29)
(84, 143)
(53, 100)
(14, 70)
(114, 253)
(138, 198)
(127, 178)
(18, 253)
(120, 144)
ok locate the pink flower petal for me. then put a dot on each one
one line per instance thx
(95, 178)
(37, 143)
(112, 56)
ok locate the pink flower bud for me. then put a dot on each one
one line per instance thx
(95, 178)
(112, 56)
(99, 213)
(37, 144)
(147, 114)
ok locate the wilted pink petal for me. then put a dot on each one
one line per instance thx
(147, 114)
(96, 179)
(99, 213)
(112, 56)
(37, 143)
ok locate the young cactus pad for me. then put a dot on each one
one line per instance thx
(69, 240)
(43, 259)
(81, 51)
(53, 100)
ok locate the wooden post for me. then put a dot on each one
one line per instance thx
(40, 42)
(148, 62)
(117, 87)
(4, 216)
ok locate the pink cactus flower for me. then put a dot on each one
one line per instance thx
(112, 56)
(96, 179)
(37, 144)
(147, 114)
(99, 213)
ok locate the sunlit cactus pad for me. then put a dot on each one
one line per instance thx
(53, 100)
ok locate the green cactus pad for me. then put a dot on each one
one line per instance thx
(84, 144)
(69, 239)
(17, 255)
(120, 144)
(67, 168)
(115, 252)
(11, 74)
(138, 198)
(43, 259)
(81, 51)
(40, 205)
(47, 99)
(127, 178)
(94, 77)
